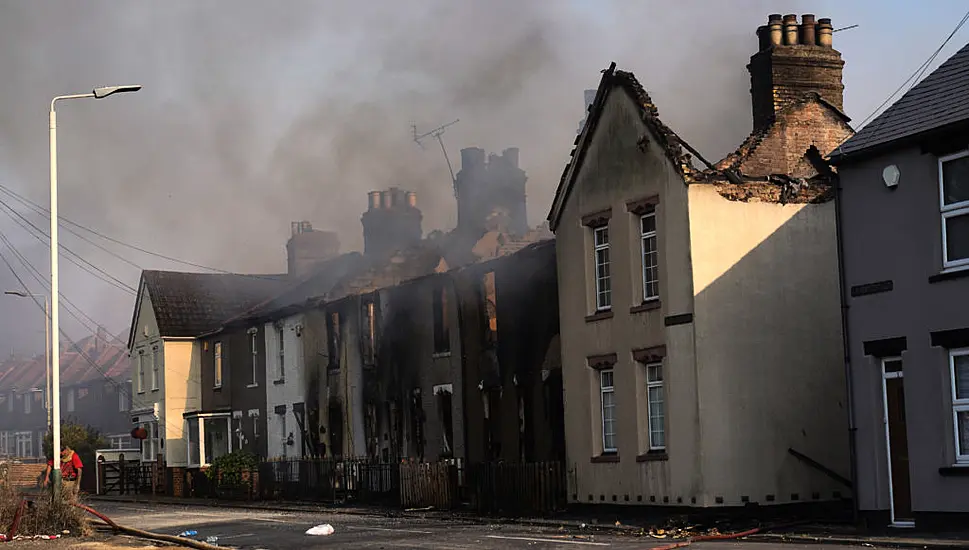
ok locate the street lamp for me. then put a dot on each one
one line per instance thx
(97, 93)
(46, 342)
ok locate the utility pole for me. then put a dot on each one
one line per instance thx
(437, 133)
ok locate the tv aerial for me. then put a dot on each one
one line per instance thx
(436, 133)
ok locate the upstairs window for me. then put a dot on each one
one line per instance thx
(647, 226)
(140, 375)
(370, 333)
(281, 364)
(490, 308)
(954, 195)
(218, 364)
(603, 268)
(154, 368)
(335, 343)
(442, 336)
(254, 351)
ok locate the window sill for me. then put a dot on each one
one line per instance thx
(605, 458)
(440, 355)
(154, 390)
(949, 274)
(956, 470)
(653, 456)
(216, 388)
(646, 306)
(279, 382)
(599, 316)
(252, 386)
(142, 392)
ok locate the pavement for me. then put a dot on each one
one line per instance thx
(263, 529)
(278, 525)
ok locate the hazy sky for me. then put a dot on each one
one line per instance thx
(256, 114)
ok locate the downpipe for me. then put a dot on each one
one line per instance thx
(846, 345)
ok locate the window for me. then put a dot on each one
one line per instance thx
(281, 338)
(122, 400)
(140, 375)
(151, 446)
(954, 194)
(70, 400)
(284, 435)
(218, 364)
(608, 398)
(959, 365)
(442, 336)
(28, 399)
(334, 332)
(4, 443)
(118, 441)
(154, 368)
(194, 448)
(10, 403)
(207, 437)
(370, 333)
(490, 298)
(25, 444)
(647, 228)
(603, 278)
(254, 416)
(255, 356)
(656, 406)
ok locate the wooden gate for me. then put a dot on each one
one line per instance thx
(428, 485)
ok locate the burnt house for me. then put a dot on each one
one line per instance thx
(511, 371)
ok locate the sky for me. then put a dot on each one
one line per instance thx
(254, 115)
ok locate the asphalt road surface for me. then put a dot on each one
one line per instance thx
(255, 529)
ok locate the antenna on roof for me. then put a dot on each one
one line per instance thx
(846, 28)
(437, 133)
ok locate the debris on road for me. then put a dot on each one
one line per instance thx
(320, 530)
(189, 533)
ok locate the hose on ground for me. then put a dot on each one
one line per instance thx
(724, 536)
(18, 515)
(149, 535)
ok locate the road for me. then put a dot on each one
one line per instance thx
(254, 529)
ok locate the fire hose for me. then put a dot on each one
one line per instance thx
(723, 536)
(147, 534)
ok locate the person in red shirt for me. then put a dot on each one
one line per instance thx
(71, 469)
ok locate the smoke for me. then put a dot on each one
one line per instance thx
(254, 115)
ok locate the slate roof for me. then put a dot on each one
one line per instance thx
(667, 139)
(941, 99)
(109, 355)
(191, 304)
(318, 283)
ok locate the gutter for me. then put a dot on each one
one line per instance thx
(846, 345)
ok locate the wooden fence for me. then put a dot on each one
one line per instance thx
(428, 485)
(535, 488)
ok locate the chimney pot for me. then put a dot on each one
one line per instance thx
(824, 33)
(763, 37)
(808, 26)
(374, 198)
(775, 29)
(412, 199)
(472, 157)
(387, 199)
(790, 30)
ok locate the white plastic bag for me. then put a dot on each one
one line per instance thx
(321, 530)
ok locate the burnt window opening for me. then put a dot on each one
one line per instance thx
(335, 422)
(417, 423)
(442, 336)
(333, 331)
(369, 339)
(489, 298)
(443, 399)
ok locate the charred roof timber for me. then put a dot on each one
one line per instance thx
(793, 59)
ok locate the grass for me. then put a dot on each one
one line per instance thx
(43, 516)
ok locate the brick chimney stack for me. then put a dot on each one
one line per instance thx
(392, 222)
(308, 247)
(793, 60)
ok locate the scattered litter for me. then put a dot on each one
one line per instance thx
(189, 533)
(212, 540)
(320, 530)
(582, 526)
(65, 532)
(618, 524)
(425, 509)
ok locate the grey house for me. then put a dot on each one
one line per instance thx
(904, 222)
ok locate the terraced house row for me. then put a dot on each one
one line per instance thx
(684, 332)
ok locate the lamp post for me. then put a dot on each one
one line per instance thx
(46, 345)
(97, 93)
